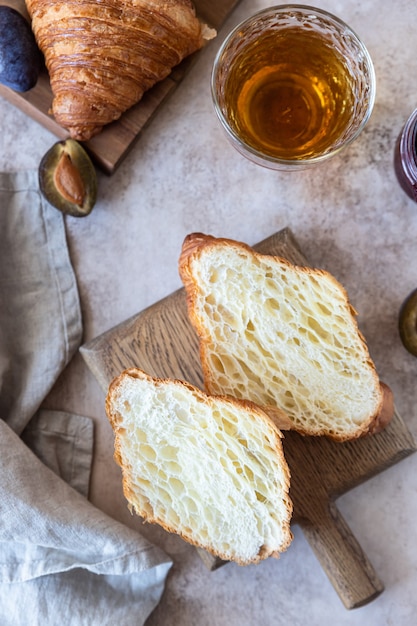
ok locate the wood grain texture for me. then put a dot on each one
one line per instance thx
(109, 148)
(161, 341)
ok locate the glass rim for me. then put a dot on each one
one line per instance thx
(251, 152)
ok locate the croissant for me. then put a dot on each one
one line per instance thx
(102, 55)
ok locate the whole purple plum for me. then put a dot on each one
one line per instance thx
(20, 58)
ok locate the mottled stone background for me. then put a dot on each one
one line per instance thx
(350, 216)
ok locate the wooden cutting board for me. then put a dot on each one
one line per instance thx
(161, 341)
(114, 142)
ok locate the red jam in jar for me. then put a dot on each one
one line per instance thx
(406, 157)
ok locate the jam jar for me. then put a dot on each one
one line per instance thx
(406, 157)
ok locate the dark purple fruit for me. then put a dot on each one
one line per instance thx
(407, 323)
(67, 178)
(20, 58)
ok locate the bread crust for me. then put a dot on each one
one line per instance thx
(116, 421)
(385, 414)
(192, 248)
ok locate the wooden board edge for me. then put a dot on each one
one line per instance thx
(91, 350)
(95, 346)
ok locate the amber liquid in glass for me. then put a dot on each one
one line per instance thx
(289, 94)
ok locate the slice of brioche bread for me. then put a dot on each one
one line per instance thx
(282, 336)
(209, 469)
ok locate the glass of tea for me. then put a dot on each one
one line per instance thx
(292, 85)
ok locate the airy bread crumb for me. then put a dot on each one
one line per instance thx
(209, 469)
(282, 336)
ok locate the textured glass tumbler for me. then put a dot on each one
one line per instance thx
(292, 85)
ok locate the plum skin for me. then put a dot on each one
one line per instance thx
(20, 57)
(407, 323)
(80, 160)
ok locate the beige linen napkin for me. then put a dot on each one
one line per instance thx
(61, 559)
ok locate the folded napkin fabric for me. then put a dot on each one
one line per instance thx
(40, 316)
(64, 443)
(61, 559)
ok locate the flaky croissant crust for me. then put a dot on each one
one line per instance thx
(102, 55)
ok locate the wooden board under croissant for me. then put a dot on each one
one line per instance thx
(161, 341)
(114, 142)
